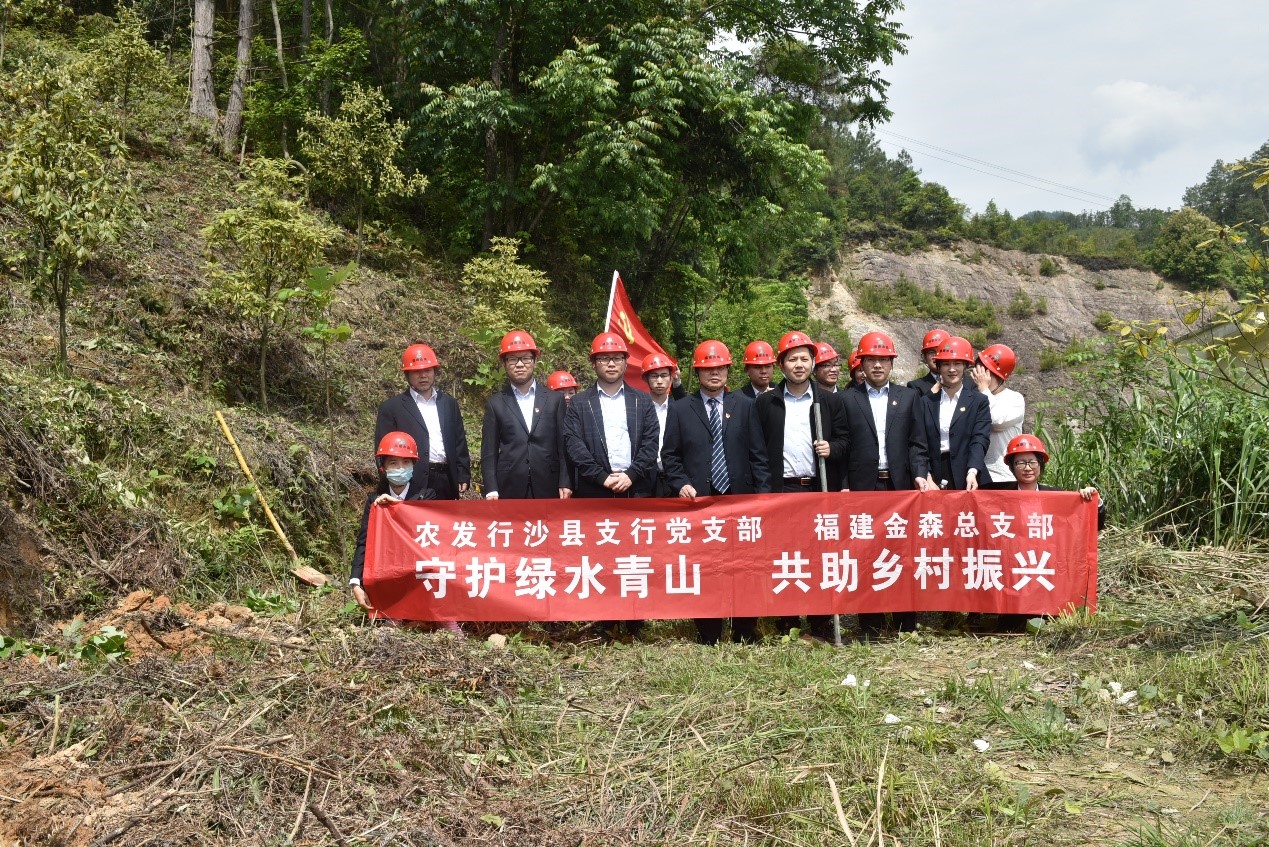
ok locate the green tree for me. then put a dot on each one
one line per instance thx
(930, 207)
(270, 242)
(63, 178)
(1185, 251)
(354, 154)
(123, 65)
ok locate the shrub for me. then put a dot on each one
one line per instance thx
(1102, 320)
(1021, 306)
(1048, 267)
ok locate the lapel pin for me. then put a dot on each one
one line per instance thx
(727, 415)
(962, 408)
(894, 402)
(537, 411)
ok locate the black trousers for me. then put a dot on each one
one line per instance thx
(438, 480)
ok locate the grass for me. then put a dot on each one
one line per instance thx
(397, 736)
(907, 299)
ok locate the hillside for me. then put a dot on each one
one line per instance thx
(1073, 296)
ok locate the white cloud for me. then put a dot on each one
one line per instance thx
(1134, 122)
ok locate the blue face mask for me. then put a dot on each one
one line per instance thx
(400, 476)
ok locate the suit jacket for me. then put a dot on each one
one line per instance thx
(968, 439)
(905, 441)
(416, 490)
(515, 457)
(924, 384)
(749, 392)
(770, 408)
(587, 448)
(401, 414)
(1013, 486)
(687, 454)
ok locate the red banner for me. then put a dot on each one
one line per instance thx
(623, 321)
(758, 555)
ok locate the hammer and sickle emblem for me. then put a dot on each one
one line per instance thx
(623, 324)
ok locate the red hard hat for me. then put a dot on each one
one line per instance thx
(419, 357)
(560, 380)
(856, 361)
(1026, 444)
(711, 354)
(759, 353)
(793, 340)
(657, 362)
(876, 344)
(399, 444)
(934, 339)
(955, 349)
(517, 341)
(999, 359)
(608, 342)
(824, 352)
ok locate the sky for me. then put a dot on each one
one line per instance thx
(1136, 97)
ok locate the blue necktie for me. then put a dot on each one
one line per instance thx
(718, 462)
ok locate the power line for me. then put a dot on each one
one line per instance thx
(994, 166)
(1000, 176)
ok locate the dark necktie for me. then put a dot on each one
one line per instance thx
(718, 462)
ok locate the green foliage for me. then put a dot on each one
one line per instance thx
(274, 113)
(109, 644)
(124, 67)
(270, 603)
(506, 294)
(63, 180)
(272, 242)
(1048, 267)
(1021, 306)
(1170, 444)
(1185, 251)
(1102, 320)
(354, 154)
(907, 299)
(1231, 195)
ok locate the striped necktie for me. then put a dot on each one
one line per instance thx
(718, 462)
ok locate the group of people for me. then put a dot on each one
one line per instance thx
(958, 427)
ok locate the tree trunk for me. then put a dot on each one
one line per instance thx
(202, 106)
(277, 35)
(491, 136)
(330, 41)
(306, 23)
(233, 110)
(264, 360)
(61, 294)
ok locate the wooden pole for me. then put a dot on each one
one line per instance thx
(302, 571)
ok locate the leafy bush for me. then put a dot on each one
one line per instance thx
(907, 299)
(1048, 267)
(1102, 320)
(1021, 306)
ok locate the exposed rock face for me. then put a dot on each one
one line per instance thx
(1074, 297)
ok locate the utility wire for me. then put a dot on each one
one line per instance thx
(994, 166)
(1000, 176)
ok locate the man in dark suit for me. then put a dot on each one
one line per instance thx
(956, 423)
(431, 417)
(929, 346)
(885, 443)
(713, 447)
(522, 437)
(759, 367)
(611, 435)
(787, 417)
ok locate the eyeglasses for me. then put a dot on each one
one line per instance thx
(1027, 463)
(609, 360)
(519, 360)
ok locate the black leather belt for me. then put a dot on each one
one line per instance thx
(439, 467)
(804, 481)
(883, 474)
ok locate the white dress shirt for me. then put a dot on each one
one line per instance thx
(879, 400)
(525, 402)
(616, 434)
(799, 454)
(947, 407)
(432, 419)
(662, 409)
(1008, 408)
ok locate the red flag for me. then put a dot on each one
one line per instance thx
(623, 321)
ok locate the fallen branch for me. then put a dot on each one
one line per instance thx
(328, 823)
